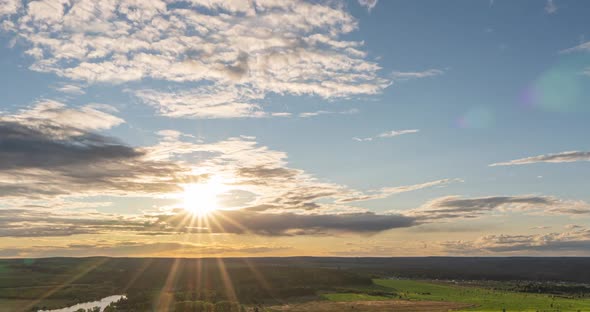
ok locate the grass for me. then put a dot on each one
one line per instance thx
(348, 297)
(483, 299)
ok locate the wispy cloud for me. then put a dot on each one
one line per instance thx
(564, 157)
(136, 248)
(453, 207)
(387, 134)
(389, 191)
(70, 89)
(577, 240)
(550, 7)
(403, 76)
(323, 112)
(369, 4)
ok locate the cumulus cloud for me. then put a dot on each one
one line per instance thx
(225, 57)
(387, 134)
(452, 207)
(9, 7)
(564, 157)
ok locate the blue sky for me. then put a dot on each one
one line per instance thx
(405, 104)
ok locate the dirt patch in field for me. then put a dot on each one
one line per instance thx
(371, 306)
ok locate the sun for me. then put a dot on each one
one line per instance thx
(202, 198)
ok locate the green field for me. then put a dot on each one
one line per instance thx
(349, 297)
(484, 299)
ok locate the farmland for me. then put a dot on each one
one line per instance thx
(288, 285)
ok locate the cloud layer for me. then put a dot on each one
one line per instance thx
(231, 54)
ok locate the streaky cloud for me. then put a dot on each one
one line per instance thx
(563, 157)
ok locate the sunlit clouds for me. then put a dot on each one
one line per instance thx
(233, 55)
(295, 127)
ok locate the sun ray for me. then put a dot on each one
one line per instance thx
(68, 282)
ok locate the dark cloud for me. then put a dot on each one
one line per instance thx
(275, 224)
(36, 223)
(53, 159)
(46, 147)
(457, 207)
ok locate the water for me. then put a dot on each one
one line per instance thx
(102, 303)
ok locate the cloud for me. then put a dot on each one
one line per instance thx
(206, 102)
(564, 157)
(387, 134)
(70, 89)
(573, 241)
(403, 76)
(550, 7)
(281, 224)
(323, 112)
(9, 7)
(53, 150)
(582, 47)
(389, 191)
(51, 223)
(369, 4)
(222, 58)
(452, 207)
(59, 157)
(136, 248)
(86, 118)
(394, 133)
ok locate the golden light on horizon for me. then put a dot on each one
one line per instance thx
(202, 198)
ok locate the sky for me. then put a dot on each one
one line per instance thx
(210, 128)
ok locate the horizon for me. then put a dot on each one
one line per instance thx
(208, 129)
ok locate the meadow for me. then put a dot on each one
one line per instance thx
(275, 285)
(481, 298)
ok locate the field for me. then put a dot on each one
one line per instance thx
(290, 285)
(483, 299)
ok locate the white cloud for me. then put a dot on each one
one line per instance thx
(232, 53)
(563, 157)
(70, 89)
(323, 112)
(389, 191)
(550, 7)
(387, 134)
(576, 240)
(394, 133)
(8, 7)
(369, 4)
(402, 76)
(87, 118)
(582, 47)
